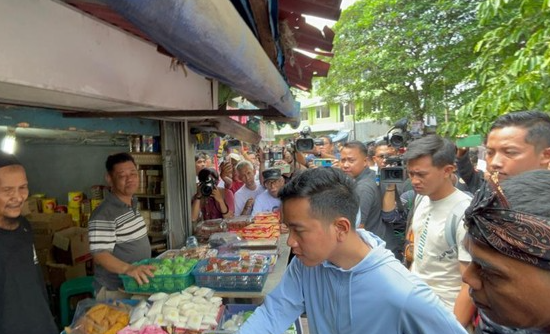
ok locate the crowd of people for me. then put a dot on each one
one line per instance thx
(432, 222)
(448, 250)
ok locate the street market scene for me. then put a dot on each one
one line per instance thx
(274, 166)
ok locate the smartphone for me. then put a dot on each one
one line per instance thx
(322, 162)
(285, 168)
(470, 141)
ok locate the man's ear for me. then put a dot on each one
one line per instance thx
(449, 170)
(108, 179)
(342, 226)
(545, 158)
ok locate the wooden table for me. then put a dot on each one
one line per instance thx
(273, 278)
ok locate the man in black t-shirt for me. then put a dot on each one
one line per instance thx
(23, 300)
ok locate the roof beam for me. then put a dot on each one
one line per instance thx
(318, 8)
(237, 130)
(174, 113)
(261, 16)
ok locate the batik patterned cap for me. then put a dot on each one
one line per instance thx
(519, 235)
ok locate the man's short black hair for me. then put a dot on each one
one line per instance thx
(7, 159)
(536, 123)
(528, 192)
(358, 145)
(117, 158)
(441, 150)
(330, 192)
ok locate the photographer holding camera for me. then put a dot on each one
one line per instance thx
(211, 201)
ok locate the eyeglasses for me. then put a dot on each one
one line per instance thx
(271, 183)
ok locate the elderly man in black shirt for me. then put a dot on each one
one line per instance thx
(23, 299)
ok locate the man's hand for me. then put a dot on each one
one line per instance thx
(260, 155)
(226, 170)
(217, 194)
(461, 151)
(141, 273)
(336, 164)
(247, 209)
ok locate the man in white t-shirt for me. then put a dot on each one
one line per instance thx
(245, 197)
(268, 201)
(437, 260)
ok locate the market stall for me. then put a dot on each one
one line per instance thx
(194, 287)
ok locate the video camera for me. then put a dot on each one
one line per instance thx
(396, 170)
(305, 142)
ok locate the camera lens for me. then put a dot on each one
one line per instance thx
(206, 188)
(397, 140)
(304, 144)
(395, 174)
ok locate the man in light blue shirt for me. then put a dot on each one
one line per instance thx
(343, 278)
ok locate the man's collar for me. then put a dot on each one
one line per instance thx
(112, 198)
(367, 172)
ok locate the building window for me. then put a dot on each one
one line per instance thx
(322, 112)
(349, 109)
(304, 115)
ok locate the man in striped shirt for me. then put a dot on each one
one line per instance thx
(117, 231)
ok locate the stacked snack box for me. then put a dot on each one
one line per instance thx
(74, 199)
(264, 225)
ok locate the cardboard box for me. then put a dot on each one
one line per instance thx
(42, 241)
(58, 273)
(71, 246)
(44, 255)
(49, 223)
(30, 206)
(44, 225)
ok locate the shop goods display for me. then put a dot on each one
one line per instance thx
(267, 218)
(260, 231)
(232, 274)
(150, 329)
(171, 275)
(191, 310)
(197, 253)
(235, 316)
(206, 228)
(239, 222)
(93, 317)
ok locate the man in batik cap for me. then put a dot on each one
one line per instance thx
(23, 299)
(517, 142)
(508, 237)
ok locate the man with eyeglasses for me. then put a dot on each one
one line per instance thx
(327, 149)
(268, 201)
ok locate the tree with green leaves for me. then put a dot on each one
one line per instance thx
(513, 66)
(404, 57)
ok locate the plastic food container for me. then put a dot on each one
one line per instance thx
(231, 274)
(206, 228)
(234, 309)
(198, 253)
(163, 281)
(237, 223)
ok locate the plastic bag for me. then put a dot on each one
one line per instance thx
(223, 239)
(94, 317)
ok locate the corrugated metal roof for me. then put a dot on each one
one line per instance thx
(277, 33)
